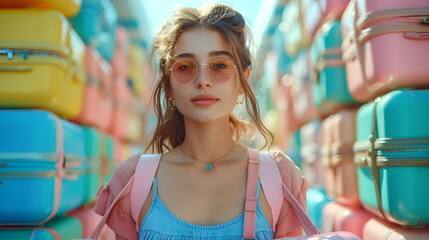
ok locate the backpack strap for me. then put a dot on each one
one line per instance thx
(143, 179)
(271, 182)
(251, 198)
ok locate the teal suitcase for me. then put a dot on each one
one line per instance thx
(107, 152)
(316, 201)
(60, 228)
(330, 91)
(96, 24)
(392, 156)
(93, 177)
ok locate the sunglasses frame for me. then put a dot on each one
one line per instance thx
(198, 69)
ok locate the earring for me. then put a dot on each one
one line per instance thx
(171, 102)
(241, 100)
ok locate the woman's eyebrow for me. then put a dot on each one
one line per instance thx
(220, 53)
(211, 54)
(184, 55)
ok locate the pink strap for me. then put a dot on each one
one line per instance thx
(251, 198)
(272, 185)
(306, 223)
(270, 175)
(61, 173)
(144, 174)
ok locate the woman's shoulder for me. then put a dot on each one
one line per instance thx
(123, 173)
(289, 171)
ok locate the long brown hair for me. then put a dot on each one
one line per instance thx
(170, 128)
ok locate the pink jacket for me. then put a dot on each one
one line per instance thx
(123, 225)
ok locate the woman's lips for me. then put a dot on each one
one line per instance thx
(204, 100)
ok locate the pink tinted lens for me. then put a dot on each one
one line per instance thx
(184, 71)
(222, 70)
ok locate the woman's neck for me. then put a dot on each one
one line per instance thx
(208, 141)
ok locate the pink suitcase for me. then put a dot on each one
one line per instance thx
(289, 123)
(122, 108)
(311, 142)
(120, 153)
(376, 229)
(97, 105)
(337, 217)
(338, 137)
(372, 31)
(120, 61)
(89, 220)
(302, 90)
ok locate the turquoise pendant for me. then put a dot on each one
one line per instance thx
(210, 166)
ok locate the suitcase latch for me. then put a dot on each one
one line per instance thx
(7, 52)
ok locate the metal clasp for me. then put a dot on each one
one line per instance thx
(425, 20)
(8, 52)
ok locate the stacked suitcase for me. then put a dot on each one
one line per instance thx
(59, 98)
(367, 62)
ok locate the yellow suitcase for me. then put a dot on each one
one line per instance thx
(68, 8)
(138, 66)
(41, 62)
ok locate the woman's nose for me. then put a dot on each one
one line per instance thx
(203, 77)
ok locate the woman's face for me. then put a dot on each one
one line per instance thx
(212, 94)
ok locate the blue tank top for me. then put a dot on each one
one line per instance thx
(160, 224)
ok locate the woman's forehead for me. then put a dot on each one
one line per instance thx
(201, 44)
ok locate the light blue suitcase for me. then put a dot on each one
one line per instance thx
(96, 24)
(60, 228)
(38, 181)
(330, 83)
(392, 156)
(316, 200)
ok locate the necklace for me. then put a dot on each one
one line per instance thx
(209, 165)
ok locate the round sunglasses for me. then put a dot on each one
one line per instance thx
(220, 70)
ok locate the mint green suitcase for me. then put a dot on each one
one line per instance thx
(392, 156)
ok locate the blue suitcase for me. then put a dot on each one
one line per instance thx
(392, 156)
(96, 24)
(42, 166)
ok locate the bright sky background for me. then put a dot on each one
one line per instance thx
(256, 12)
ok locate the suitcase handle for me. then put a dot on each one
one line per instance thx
(364, 20)
(415, 32)
(16, 68)
(417, 35)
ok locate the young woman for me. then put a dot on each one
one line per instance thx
(199, 188)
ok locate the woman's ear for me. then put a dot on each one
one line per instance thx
(246, 74)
